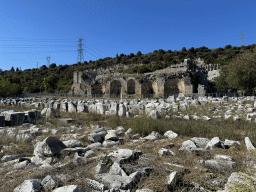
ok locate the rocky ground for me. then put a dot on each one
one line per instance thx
(181, 144)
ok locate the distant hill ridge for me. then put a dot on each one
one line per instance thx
(58, 79)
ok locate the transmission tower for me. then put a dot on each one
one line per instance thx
(80, 57)
(242, 39)
(48, 61)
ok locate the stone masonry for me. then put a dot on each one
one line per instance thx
(185, 78)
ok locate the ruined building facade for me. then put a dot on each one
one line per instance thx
(185, 78)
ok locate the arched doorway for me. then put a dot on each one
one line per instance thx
(171, 87)
(131, 86)
(115, 87)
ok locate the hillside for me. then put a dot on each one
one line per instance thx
(58, 79)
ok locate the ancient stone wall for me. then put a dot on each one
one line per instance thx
(172, 80)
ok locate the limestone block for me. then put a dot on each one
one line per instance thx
(72, 107)
(200, 142)
(120, 129)
(114, 109)
(97, 137)
(229, 143)
(206, 118)
(50, 182)
(112, 135)
(143, 190)
(100, 168)
(24, 137)
(175, 108)
(248, 143)
(195, 187)
(123, 155)
(30, 166)
(188, 145)
(114, 181)
(50, 113)
(82, 108)
(110, 143)
(115, 169)
(170, 134)
(165, 152)
(95, 185)
(64, 107)
(128, 133)
(6, 158)
(172, 178)
(154, 114)
(171, 99)
(223, 157)
(122, 110)
(72, 143)
(49, 147)
(92, 108)
(31, 185)
(136, 136)
(101, 108)
(68, 188)
(219, 164)
(94, 146)
(236, 118)
(20, 165)
(56, 106)
(153, 136)
(215, 142)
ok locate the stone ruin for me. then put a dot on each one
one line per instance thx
(185, 78)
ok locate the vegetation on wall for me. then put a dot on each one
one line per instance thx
(59, 79)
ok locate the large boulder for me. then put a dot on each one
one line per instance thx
(248, 144)
(72, 107)
(49, 147)
(215, 142)
(170, 134)
(122, 110)
(112, 135)
(124, 155)
(113, 109)
(30, 185)
(50, 113)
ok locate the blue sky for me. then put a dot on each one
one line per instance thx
(32, 30)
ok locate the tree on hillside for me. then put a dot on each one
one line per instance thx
(12, 69)
(228, 47)
(17, 69)
(138, 54)
(240, 74)
(53, 65)
(131, 55)
(9, 89)
(184, 49)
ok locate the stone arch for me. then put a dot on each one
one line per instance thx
(131, 86)
(171, 86)
(115, 87)
(147, 88)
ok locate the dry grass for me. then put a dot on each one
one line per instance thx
(192, 171)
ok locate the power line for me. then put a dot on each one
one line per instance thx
(96, 48)
(95, 52)
(92, 54)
